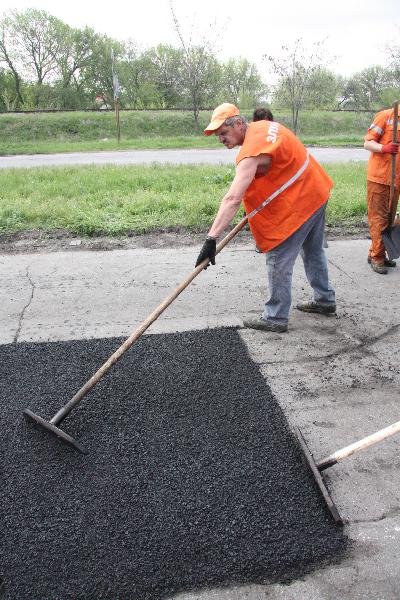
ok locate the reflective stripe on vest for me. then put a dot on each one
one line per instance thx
(376, 128)
(281, 189)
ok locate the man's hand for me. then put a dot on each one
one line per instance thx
(207, 251)
(391, 148)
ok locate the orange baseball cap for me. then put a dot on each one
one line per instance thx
(221, 113)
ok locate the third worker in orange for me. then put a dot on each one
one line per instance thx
(379, 142)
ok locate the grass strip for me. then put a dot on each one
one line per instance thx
(10, 148)
(122, 200)
(42, 133)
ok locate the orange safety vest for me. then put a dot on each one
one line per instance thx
(300, 184)
(380, 165)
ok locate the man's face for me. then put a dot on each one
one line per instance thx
(231, 135)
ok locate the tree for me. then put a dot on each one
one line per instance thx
(36, 38)
(137, 76)
(168, 65)
(8, 56)
(200, 72)
(324, 88)
(8, 98)
(392, 92)
(73, 56)
(393, 54)
(241, 83)
(97, 73)
(297, 69)
(366, 89)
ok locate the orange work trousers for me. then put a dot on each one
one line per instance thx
(379, 211)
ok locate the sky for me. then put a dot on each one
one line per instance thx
(355, 32)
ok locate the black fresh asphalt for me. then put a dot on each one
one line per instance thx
(193, 478)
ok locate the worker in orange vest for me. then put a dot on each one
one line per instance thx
(284, 192)
(379, 142)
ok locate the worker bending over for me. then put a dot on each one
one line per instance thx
(284, 192)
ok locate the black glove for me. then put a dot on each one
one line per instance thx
(207, 251)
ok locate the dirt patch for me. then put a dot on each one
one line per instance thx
(28, 242)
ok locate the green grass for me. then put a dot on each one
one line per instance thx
(152, 143)
(85, 131)
(118, 201)
(348, 203)
(326, 141)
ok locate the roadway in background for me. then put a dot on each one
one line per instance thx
(179, 156)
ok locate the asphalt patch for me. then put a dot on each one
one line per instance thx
(193, 478)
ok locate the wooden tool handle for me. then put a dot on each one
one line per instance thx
(65, 410)
(395, 120)
(357, 446)
(394, 157)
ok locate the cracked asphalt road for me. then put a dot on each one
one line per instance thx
(337, 378)
(25, 308)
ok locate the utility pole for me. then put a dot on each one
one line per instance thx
(117, 91)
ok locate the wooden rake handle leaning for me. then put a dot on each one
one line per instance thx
(52, 424)
(317, 467)
(391, 235)
(62, 413)
(374, 438)
(393, 157)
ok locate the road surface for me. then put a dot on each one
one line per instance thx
(180, 156)
(337, 378)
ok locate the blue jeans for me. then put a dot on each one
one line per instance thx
(308, 241)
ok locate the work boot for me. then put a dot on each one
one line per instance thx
(379, 268)
(315, 307)
(264, 325)
(386, 262)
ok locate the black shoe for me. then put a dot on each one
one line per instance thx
(314, 307)
(264, 325)
(386, 262)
